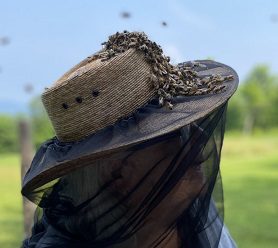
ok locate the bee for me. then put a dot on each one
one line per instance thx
(169, 105)
(143, 47)
(161, 100)
(155, 68)
(228, 78)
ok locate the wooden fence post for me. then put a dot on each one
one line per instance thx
(27, 152)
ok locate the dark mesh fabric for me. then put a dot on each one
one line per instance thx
(164, 192)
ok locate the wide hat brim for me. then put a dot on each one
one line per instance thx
(55, 159)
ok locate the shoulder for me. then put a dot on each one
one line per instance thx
(226, 241)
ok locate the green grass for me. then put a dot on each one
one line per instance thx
(250, 179)
(11, 229)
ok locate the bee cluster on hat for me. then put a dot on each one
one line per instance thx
(168, 80)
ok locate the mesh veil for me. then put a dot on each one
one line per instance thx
(164, 192)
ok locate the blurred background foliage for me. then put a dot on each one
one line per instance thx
(252, 108)
(41, 127)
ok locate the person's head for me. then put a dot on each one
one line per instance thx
(142, 168)
(146, 170)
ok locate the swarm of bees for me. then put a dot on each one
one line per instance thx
(168, 80)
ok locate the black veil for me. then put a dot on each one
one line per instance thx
(164, 192)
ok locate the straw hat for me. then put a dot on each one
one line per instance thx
(113, 84)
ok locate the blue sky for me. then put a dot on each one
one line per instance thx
(49, 37)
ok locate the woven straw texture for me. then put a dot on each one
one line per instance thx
(96, 93)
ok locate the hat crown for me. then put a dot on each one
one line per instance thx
(95, 94)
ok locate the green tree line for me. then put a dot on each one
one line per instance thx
(254, 106)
